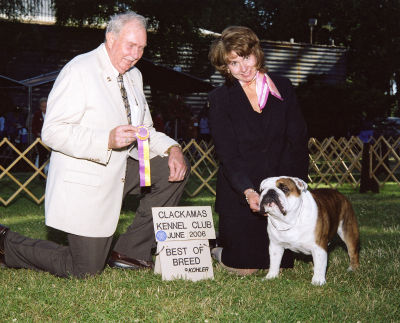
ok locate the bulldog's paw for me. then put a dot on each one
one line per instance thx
(271, 275)
(318, 281)
(353, 267)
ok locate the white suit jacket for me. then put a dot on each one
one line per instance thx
(85, 180)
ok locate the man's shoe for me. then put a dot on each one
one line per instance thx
(3, 233)
(2, 262)
(117, 260)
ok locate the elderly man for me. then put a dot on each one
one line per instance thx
(93, 116)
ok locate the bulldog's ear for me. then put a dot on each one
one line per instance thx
(301, 185)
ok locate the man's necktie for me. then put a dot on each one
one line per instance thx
(124, 97)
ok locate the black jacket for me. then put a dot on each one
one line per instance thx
(250, 151)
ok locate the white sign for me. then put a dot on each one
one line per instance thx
(182, 235)
(189, 260)
(183, 223)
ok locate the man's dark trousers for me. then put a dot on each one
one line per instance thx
(138, 240)
(86, 255)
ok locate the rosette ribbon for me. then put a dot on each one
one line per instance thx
(144, 155)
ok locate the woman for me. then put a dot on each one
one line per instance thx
(258, 132)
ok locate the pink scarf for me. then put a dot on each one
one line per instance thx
(264, 86)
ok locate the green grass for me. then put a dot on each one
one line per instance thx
(371, 294)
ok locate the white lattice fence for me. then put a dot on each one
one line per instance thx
(19, 172)
(204, 166)
(385, 160)
(333, 162)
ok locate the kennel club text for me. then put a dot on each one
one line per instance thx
(196, 225)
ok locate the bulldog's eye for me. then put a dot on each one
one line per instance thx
(283, 188)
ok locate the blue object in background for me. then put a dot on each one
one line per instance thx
(366, 135)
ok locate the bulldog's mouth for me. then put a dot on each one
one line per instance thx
(272, 198)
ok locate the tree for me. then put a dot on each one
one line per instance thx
(86, 12)
(14, 9)
(370, 29)
(173, 27)
(176, 21)
(339, 110)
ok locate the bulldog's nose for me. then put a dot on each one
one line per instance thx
(272, 197)
(269, 197)
(272, 194)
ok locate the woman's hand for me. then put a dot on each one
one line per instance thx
(253, 199)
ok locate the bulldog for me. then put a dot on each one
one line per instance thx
(305, 221)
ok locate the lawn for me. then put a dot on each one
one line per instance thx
(371, 294)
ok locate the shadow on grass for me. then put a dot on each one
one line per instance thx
(335, 244)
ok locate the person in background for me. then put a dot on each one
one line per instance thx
(92, 121)
(192, 129)
(37, 124)
(38, 118)
(367, 182)
(14, 121)
(22, 138)
(2, 126)
(258, 131)
(20, 129)
(204, 129)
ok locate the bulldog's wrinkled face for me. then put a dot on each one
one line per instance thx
(281, 195)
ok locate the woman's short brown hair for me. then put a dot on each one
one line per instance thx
(243, 41)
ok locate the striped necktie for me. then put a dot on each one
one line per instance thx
(124, 97)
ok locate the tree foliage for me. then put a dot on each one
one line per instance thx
(339, 110)
(370, 29)
(80, 12)
(177, 22)
(16, 8)
(173, 26)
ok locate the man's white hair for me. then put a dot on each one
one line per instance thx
(118, 21)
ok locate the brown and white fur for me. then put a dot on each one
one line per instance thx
(305, 221)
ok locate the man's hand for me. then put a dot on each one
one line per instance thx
(121, 136)
(177, 165)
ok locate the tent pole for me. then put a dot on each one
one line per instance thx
(29, 114)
